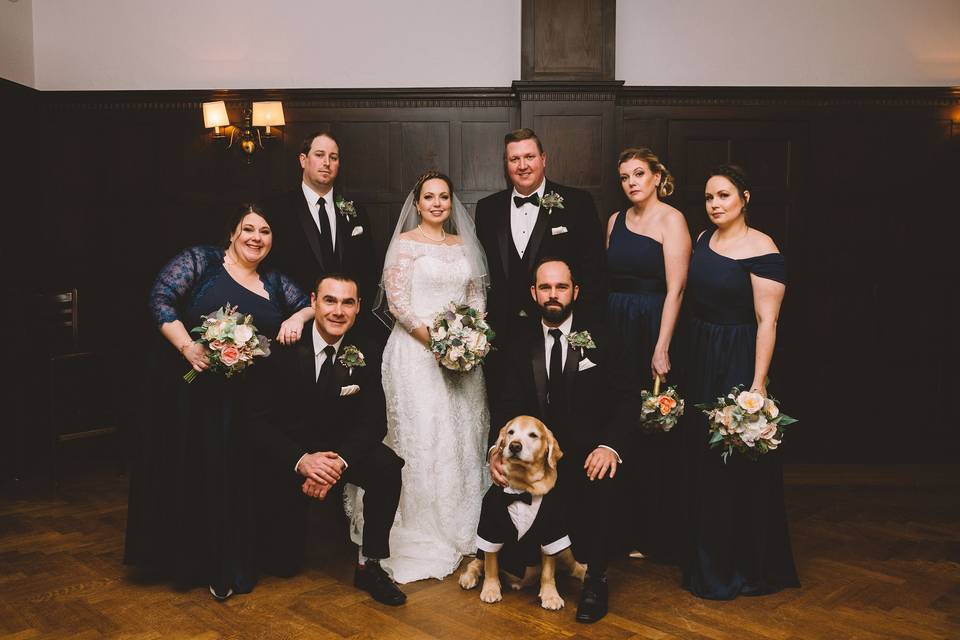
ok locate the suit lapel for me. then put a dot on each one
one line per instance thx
(342, 225)
(539, 231)
(310, 229)
(572, 367)
(504, 236)
(306, 358)
(538, 357)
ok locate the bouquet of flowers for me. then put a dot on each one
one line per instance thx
(232, 341)
(460, 337)
(660, 411)
(745, 421)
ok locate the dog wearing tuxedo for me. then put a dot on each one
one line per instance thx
(319, 418)
(568, 372)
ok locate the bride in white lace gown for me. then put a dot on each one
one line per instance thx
(437, 420)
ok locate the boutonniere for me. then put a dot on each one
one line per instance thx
(351, 357)
(345, 207)
(581, 340)
(551, 200)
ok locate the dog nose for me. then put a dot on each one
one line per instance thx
(515, 447)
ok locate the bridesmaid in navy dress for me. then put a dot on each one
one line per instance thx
(190, 508)
(739, 543)
(648, 250)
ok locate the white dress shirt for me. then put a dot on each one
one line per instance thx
(523, 219)
(522, 514)
(312, 197)
(319, 357)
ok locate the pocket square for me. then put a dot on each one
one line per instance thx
(585, 364)
(555, 231)
(349, 390)
(356, 231)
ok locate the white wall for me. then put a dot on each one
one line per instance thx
(16, 41)
(242, 44)
(789, 42)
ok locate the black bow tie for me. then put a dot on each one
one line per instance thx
(533, 199)
(510, 498)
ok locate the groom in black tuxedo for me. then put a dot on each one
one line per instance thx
(319, 419)
(519, 225)
(588, 396)
(318, 228)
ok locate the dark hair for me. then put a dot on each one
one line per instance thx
(431, 175)
(545, 259)
(522, 134)
(241, 212)
(335, 275)
(737, 176)
(308, 141)
(665, 188)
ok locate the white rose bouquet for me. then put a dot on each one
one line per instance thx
(660, 411)
(747, 422)
(232, 341)
(460, 337)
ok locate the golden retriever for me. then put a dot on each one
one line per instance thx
(530, 454)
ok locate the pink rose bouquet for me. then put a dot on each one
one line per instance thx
(460, 337)
(231, 340)
(745, 421)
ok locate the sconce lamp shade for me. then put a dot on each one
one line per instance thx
(268, 114)
(215, 114)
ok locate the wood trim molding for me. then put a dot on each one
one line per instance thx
(790, 96)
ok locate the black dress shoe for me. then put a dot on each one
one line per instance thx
(375, 581)
(593, 599)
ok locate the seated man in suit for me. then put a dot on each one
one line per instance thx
(568, 372)
(319, 421)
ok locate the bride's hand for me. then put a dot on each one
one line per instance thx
(422, 334)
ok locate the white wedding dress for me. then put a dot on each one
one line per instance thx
(437, 420)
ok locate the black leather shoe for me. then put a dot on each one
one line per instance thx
(375, 581)
(593, 599)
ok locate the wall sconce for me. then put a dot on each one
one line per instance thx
(263, 114)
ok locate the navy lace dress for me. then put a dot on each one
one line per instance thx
(190, 511)
(652, 477)
(739, 543)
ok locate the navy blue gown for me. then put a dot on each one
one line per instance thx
(739, 543)
(191, 511)
(651, 473)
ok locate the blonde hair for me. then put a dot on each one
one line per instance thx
(667, 184)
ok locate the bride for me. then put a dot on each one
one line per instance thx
(437, 420)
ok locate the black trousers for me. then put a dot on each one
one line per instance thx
(378, 474)
(589, 509)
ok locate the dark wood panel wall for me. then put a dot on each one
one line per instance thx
(855, 184)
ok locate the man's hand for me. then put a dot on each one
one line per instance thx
(599, 462)
(323, 467)
(315, 489)
(498, 470)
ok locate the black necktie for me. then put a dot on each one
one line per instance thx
(533, 199)
(326, 235)
(555, 384)
(326, 369)
(510, 498)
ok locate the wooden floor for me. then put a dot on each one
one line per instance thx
(878, 550)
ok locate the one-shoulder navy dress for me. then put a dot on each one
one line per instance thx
(191, 513)
(651, 476)
(739, 543)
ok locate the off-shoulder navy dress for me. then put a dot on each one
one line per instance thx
(739, 543)
(190, 511)
(651, 479)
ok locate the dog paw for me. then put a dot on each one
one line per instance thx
(552, 602)
(490, 593)
(469, 580)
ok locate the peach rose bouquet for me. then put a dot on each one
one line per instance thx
(460, 337)
(660, 411)
(745, 421)
(231, 341)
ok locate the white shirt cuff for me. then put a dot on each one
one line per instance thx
(296, 467)
(345, 465)
(619, 459)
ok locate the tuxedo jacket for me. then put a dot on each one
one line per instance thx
(601, 390)
(573, 233)
(296, 249)
(291, 416)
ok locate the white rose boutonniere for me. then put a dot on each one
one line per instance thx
(551, 200)
(345, 207)
(581, 340)
(351, 357)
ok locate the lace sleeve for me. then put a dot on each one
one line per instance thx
(398, 285)
(477, 294)
(293, 298)
(173, 283)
